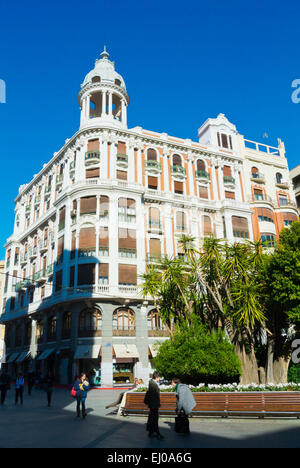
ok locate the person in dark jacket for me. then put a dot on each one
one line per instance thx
(48, 386)
(81, 386)
(4, 385)
(152, 400)
(30, 381)
(185, 405)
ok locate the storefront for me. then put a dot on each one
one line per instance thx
(88, 360)
(23, 362)
(48, 358)
(125, 358)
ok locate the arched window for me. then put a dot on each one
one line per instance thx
(200, 165)
(51, 331)
(117, 82)
(177, 160)
(66, 326)
(154, 321)
(96, 79)
(278, 178)
(40, 331)
(124, 320)
(90, 322)
(181, 223)
(151, 155)
(154, 218)
(19, 335)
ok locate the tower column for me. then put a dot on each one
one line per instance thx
(103, 103)
(110, 104)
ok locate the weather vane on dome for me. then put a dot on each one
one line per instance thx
(104, 54)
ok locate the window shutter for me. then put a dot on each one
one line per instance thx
(121, 147)
(92, 173)
(155, 248)
(178, 187)
(207, 226)
(93, 145)
(87, 238)
(203, 192)
(88, 205)
(230, 195)
(152, 182)
(227, 171)
(121, 175)
(127, 274)
(86, 274)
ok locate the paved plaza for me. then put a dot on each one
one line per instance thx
(35, 425)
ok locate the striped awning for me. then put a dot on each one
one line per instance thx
(126, 351)
(87, 352)
(23, 356)
(13, 357)
(46, 354)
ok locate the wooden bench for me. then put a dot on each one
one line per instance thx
(259, 404)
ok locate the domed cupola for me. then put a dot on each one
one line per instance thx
(103, 98)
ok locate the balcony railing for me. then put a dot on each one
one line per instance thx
(37, 200)
(48, 190)
(228, 180)
(20, 286)
(27, 209)
(103, 251)
(49, 270)
(88, 252)
(178, 170)
(202, 175)
(258, 177)
(122, 159)
(72, 166)
(59, 179)
(153, 165)
(125, 252)
(92, 157)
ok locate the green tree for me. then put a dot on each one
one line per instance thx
(281, 275)
(196, 355)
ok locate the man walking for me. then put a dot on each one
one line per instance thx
(19, 389)
(152, 400)
(4, 386)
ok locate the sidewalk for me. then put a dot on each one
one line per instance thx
(36, 426)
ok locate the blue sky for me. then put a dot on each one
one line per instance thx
(182, 62)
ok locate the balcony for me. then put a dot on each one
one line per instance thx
(27, 209)
(88, 252)
(128, 253)
(47, 191)
(28, 283)
(43, 245)
(92, 157)
(257, 177)
(229, 181)
(23, 259)
(72, 166)
(122, 160)
(153, 166)
(202, 176)
(20, 286)
(33, 253)
(178, 171)
(37, 200)
(49, 270)
(127, 218)
(283, 183)
(59, 180)
(154, 226)
(103, 252)
(40, 276)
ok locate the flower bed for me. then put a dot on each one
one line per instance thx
(286, 387)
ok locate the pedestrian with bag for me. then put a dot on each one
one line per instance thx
(4, 386)
(81, 387)
(19, 388)
(185, 405)
(152, 400)
(48, 386)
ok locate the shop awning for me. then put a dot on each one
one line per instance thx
(46, 354)
(126, 351)
(87, 352)
(23, 356)
(13, 357)
(153, 349)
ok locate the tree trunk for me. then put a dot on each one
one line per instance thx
(270, 361)
(249, 365)
(281, 367)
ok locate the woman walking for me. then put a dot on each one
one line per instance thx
(48, 385)
(19, 388)
(81, 386)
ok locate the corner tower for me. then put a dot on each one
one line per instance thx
(103, 98)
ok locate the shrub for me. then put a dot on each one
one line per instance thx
(196, 355)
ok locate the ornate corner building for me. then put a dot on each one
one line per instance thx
(111, 200)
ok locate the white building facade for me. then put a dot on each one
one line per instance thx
(111, 200)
